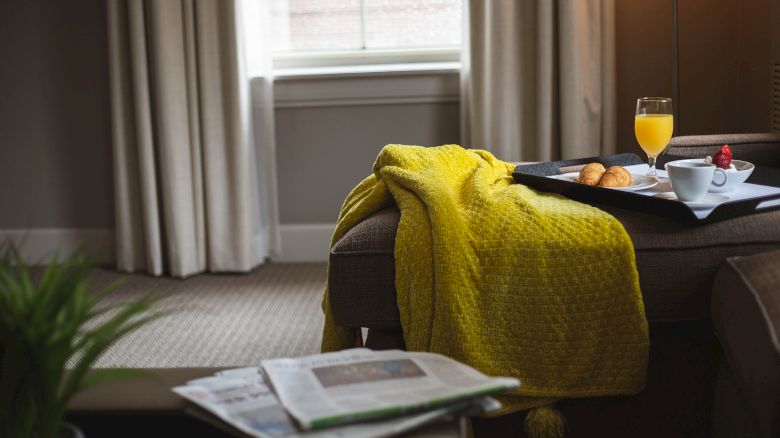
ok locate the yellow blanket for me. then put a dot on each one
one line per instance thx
(506, 279)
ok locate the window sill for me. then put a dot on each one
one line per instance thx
(388, 84)
(362, 71)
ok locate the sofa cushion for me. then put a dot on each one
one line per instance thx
(676, 264)
(746, 319)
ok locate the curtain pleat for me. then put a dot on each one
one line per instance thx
(538, 78)
(193, 108)
(184, 165)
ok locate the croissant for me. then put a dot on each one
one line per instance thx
(590, 175)
(616, 176)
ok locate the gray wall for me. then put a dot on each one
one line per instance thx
(323, 152)
(55, 151)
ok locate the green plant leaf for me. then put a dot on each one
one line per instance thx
(102, 336)
(46, 321)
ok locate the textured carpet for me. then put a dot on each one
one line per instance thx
(223, 320)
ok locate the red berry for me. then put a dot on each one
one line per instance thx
(722, 158)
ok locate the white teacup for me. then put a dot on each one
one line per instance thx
(692, 179)
(739, 172)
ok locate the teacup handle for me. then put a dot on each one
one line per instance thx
(725, 177)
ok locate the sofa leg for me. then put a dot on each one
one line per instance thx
(389, 339)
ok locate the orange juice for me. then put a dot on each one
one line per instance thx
(653, 132)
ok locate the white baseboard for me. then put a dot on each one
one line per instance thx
(304, 242)
(37, 245)
(299, 242)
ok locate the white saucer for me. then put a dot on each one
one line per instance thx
(638, 182)
(710, 200)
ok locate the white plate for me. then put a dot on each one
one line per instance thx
(638, 182)
(710, 200)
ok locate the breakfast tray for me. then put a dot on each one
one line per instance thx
(760, 193)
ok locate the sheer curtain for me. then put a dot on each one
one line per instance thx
(538, 78)
(193, 182)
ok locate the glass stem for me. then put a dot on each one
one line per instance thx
(651, 164)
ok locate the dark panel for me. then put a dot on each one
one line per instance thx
(709, 67)
(724, 66)
(754, 99)
(644, 60)
(55, 142)
(725, 71)
(776, 66)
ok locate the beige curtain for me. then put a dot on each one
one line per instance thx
(538, 78)
(185, 169)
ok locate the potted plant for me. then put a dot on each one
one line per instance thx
(47, 321)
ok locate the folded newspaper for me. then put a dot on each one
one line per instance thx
(335, 394)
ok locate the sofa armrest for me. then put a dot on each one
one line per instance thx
(760, 149)
(746, 319)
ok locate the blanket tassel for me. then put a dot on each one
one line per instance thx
(544, 422)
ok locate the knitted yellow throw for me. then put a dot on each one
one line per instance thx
(511, 281)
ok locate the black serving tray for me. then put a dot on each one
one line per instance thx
(535, 176)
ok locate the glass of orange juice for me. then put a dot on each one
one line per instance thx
(653, 126)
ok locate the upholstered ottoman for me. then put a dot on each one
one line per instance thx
(677, 265)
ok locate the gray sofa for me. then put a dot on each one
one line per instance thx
(746, 320)
(677, 266)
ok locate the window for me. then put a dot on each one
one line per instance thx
(316, 33)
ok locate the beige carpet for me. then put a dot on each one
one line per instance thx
(224, 320)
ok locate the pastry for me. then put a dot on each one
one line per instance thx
(590, 175)
(616, 176)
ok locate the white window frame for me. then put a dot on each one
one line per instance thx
(362, 57)
(294, 63)
(362, 62)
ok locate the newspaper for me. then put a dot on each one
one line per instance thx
(358, 384)
(242, 399)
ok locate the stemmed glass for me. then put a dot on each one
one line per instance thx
(653, 126)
